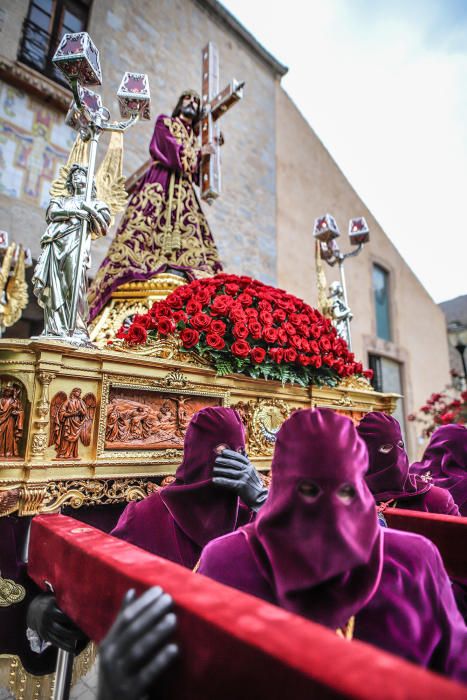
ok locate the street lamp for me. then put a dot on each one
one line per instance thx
(457, 334)
(78, 59)
(326, 232)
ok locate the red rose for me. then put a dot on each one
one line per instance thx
(245, 299)
(160, 309)
(232, 288)
(215, 341)
(258, 355)
(165, 326)
(137, 334)
(277, 354)
(203, 296)
(314, 347)
(221, 305)
(200, 321)
(296, 342)
(305, 345)
(189, 337)
(282, 336)
(147, 321)
(185, 292)
(304, 360)
(358, 368)
(175, 301)
(251, 312)
(217, 326)
(290, 355)
(325, 343)
(264, 306)
(279, 315)
(316, 361)
(240, 330)
(289, 328)
(368, 373)
(240, 348)
(255, 329)
(270, 334)
(266, 318)
(193, 307)
(328, 359)
(236, 313)
(304, 330)
(447, 417)
(295, 319)
(179, 316)
(315, 330)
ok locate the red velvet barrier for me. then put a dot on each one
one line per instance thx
(233, 645)
(449, 534)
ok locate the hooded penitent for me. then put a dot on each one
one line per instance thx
(388, 474)
(175, 522)
(202, 510)
(445, 460)
(317, 539)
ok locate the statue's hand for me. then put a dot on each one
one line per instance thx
(233, 470)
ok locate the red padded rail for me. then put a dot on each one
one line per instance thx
(233, 645)
(449, 534)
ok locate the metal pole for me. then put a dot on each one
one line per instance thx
(84, 232)
(344, 289)
(63, 673)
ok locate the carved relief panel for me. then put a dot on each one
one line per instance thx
(14, 409)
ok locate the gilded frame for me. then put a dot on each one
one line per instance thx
(174, 383)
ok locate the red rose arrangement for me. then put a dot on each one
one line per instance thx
(442, 408)
(243, 325)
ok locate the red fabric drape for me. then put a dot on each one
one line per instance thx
(233, 645)
(447, 532)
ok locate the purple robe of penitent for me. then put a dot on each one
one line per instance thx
(316, 549)
(389, 477)
(177, 521)
(148, 240)
(445, 461)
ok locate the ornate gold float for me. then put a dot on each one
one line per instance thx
(106, 426)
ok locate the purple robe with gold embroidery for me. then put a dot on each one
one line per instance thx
(148, 241)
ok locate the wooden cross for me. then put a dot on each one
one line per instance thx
(214, 104)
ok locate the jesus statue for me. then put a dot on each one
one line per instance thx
(164, 228)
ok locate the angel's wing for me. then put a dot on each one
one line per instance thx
(78, 154)
(55, 406)
(86, 431)
(110, 182)
(16, 292)
(6, 265)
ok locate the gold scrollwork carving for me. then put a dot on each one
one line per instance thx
(10, 592)
(92, 492)
(32, 498)
(174, 380)
(165, 349)
(353, 382)
(262, 419)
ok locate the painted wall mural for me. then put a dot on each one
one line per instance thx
(34, 143)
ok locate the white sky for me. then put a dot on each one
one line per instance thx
(384, 85)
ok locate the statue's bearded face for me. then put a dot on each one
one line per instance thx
(190, 107)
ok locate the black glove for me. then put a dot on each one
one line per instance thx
(52, 625)
(232, 470)
(136, 651)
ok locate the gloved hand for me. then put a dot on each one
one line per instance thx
(232, 470)
(136, 649)
(52, 625)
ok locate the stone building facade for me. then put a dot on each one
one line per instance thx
(277, 176)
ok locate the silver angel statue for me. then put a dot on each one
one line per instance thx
(57, 268)
(340, 313)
